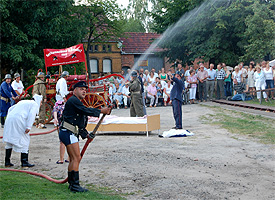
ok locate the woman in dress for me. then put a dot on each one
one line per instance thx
(151, 78)
(250, 78)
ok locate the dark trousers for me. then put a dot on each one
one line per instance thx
(227, 89)
(220, 89)
(177, 111)
(202, 91)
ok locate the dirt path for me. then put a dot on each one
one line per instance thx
(213, 164)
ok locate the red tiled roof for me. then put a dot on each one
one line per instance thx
(137, 42)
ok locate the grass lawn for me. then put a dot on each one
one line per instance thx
(256, 101)
(255, 126)
(14, 185)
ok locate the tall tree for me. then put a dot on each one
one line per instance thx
(224, 30)
(100, 17)
(28, 27)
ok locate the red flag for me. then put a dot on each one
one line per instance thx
(74, 54)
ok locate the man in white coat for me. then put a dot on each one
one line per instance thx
(62, 88)
(18, 124)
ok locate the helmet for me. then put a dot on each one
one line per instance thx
(7, 76)
(40, 75)
(16, 75)
(134, 74)
(65, 73)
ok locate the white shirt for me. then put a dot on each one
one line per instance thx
(125, 90)
(268, 73)
(61, 89)
(237, 76)
(18, 86)
(168, 89)
(259, 79)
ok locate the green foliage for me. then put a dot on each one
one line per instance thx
(226, 31)
(132, 25)
(28, 27)
(14, 185)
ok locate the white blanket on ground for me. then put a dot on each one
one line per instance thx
(176, 133)
(112, 119)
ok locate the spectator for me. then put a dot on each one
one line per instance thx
(263, 64)
(228, 83)
(237, 74)
(260, 82)
(202, 76)
(152, 94)
(146, 75)
(159, 91)
(145, 86)
(155, 73)
(268, 73)
(141, 71)
(117, 95)
(151, 78)
(244, 73)
(166, 92)
(126, 95)
(210, 84)
(163, 76)
(193, 81)
(181, 70)
(40, 89)
(239, 92)
(110, 92)
(57, 116)
(220, 82)
(250, 77)
(187, 73)
(7, 93)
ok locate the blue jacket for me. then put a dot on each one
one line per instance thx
(176, 92)
(6, 90)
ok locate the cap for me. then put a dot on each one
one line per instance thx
(134, 74)
(16, 75)
(40, 74)
(179, 73)
(80, 84)
(7, 76)
(65, 73)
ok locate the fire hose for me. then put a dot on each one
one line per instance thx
(91, 137)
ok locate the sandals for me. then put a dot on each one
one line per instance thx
(59, 162)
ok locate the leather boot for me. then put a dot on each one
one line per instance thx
(74, 182)
(7, 158)
(24, 160)
(69, 179)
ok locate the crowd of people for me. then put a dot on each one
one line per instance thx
(201, 84)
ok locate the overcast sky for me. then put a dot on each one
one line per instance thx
(123, 2)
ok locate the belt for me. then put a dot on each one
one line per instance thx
(70, 127)
(5, 99)
(210, 80)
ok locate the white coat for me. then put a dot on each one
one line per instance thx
(61, 89)
(20, 117)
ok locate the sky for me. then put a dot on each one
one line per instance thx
(123, 2)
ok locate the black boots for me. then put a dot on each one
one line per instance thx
(7, 158)
(73, 180)
(24, 160)
(2, 122)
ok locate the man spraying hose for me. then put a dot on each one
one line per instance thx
(74, 124)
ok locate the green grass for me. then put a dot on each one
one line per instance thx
(256, 101)
(14, 185)
(255, 126)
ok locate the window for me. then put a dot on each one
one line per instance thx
(91, 48)
(109, 48)
(94, 66)
(96, 48)
(107, 65)
(104, 48)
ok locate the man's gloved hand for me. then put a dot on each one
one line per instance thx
(91, 135)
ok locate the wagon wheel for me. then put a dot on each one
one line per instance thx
(49, 109)
(92, 100)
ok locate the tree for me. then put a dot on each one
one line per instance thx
(28, 27)
(226, 31)
(100, 17)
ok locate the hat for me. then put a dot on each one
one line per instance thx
(134, 74)
(40, 75)
(64, 74)
(7, 76)
(80, 84)
(179, 73)
(16, 75)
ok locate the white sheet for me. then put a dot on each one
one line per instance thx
(176, 133)
(112, 119)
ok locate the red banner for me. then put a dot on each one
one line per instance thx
(74, 54)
